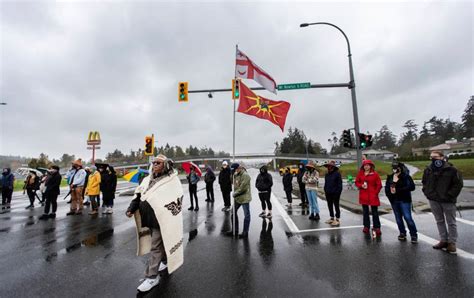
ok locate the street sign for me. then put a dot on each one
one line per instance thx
(294, 86)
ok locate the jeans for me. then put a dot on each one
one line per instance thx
(402, 210)
(313, 201)
(333, 201)
(375, 216)
(246, 219)
(265, 200)
(51, 200)
(445, 213)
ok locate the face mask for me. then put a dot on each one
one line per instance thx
(438, 163)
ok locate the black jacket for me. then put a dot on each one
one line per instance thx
(442, 185)
(299, 176)
(264, 181)
(52, 184)
(225, 180)
(209, 177)
(403, 188)
(288, 182)
(147, 213)
(333, 182)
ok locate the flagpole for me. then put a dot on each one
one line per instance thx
(233, 148)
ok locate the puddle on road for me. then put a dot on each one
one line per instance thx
(91, 241)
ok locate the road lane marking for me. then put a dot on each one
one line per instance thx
(465, 221)
(328, 229)
(289, 222)
(427, 239)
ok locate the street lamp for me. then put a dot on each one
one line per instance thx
(351, 86)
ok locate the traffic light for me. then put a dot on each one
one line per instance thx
(183, 92)
(149, 145)
(368, 139)
(236, 89)
(346, 138)
(363, 140)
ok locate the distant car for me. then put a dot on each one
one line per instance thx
(293, 170)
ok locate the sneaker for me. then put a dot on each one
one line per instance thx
(316, 217)
(414, 240)
(366, 230)
(44, 217)
(335, 223)
(262, 214)
(451, 248)
(148, 284)
(30, 207)
(104, 211)
(311, 217)
(191, 208)
(93, 212)
(329, 221)
(70, 213)
(288, 205)
(207, 200)
(441, 245)
(196, 209)
(269, 215)
(402, 237)
(224, 209)
(227, 209)
(110, 210)
(163, 266)
(52, 215)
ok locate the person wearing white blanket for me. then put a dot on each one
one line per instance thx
(157, 210)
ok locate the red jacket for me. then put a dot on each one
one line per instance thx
(369, 196)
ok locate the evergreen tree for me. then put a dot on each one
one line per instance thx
(468, 119)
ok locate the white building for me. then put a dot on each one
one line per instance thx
(370, 154)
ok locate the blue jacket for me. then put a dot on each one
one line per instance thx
(7, 180)
(333, 182)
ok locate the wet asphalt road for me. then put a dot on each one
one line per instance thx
(287, 257)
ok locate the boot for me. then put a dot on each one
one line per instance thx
(44, 217)
(451, 248)
(441, 245)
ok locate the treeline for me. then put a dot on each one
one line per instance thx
(297, 142)
(117, 157)
(434, 131)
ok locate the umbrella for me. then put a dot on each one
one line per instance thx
(188, 165)
(134, 176)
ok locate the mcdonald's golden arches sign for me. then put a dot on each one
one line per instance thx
(93, 138)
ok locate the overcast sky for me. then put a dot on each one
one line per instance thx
(68, 68)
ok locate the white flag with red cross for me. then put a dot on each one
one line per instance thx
(246, 69)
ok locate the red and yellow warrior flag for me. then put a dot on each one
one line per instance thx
(255, 105)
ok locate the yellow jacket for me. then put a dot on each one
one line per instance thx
(93, 185)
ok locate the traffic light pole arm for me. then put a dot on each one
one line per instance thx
(339, 85)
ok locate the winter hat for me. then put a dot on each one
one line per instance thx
(368, 162)
(235, 166)
(225, 163)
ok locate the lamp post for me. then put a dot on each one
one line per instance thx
(351, 86)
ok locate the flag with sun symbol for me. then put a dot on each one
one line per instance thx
(263, 108)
